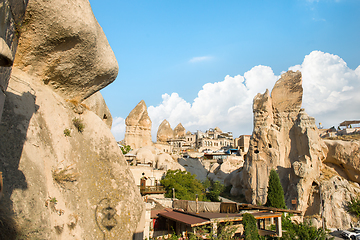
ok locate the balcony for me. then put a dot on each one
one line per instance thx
(144, 190)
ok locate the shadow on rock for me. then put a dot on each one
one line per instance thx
(13, 129)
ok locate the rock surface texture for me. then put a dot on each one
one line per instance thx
(179, 131)
(63, 45)
(284, 138)
(344, 157)
(164, 132)
(96, 103)
(11, 15)
(138, 127)
(63, 180)
(322, 176)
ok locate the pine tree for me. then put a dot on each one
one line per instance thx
(250, 228)
(275, 197)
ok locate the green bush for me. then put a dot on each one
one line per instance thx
(125, 149)
(353, 206)
(304, 231)
(250, 228)
(185, 185)
(275, 193)
(214, 189)
(80, 126)
(67, 132)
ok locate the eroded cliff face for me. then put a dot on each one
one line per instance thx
(322, 176)
(284, 138)
(63, 181)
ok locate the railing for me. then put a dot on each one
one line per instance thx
(151, 189)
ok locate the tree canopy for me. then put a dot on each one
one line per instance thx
(185, 184)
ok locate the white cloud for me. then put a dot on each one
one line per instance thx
(200, 59)
(118, 128)
(331, 88)
(331, 95)
(226, 104)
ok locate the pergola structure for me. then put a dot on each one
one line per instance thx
(187, 222)
(348, 123)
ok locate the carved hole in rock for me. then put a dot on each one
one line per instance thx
(104, 117)
(256, 151)
(314, 200)
(270, 145)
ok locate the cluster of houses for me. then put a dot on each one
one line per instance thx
(212, 140)
(344, 128)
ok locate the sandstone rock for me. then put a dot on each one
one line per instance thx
(165, 161)
(194, 166)
(11, 14)
(330, 199)
(34, 148)
(284, 138)
(179, 131)
(157, 159)
(62, 186)
(138, 127)
(96, 103)
(63, 45)
(344, 157)
(164, 132)
(287, 92)
(219, 172)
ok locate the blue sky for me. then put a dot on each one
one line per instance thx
(190, 60)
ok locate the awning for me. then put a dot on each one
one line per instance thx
(347, 123)
(187, 219)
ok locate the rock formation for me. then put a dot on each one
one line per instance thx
(344, 157)
(138, 127)
(219, 172)
(322, 176)
(284, 138)
(63, 45)
(63, 180)
(158, 159)
(96, 103)
(179, 131)
(164, 132)
(11, 14)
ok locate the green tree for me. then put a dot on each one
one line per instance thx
(214, 189)
(250, 228)
(125, 149)
(185, 184)
(275, 197)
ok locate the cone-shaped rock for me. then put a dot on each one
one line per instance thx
(138, 127)
(164, 132)
(179, 131)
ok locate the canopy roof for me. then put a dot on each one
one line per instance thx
(347, 123)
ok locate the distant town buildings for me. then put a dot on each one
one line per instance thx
(345, 128)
